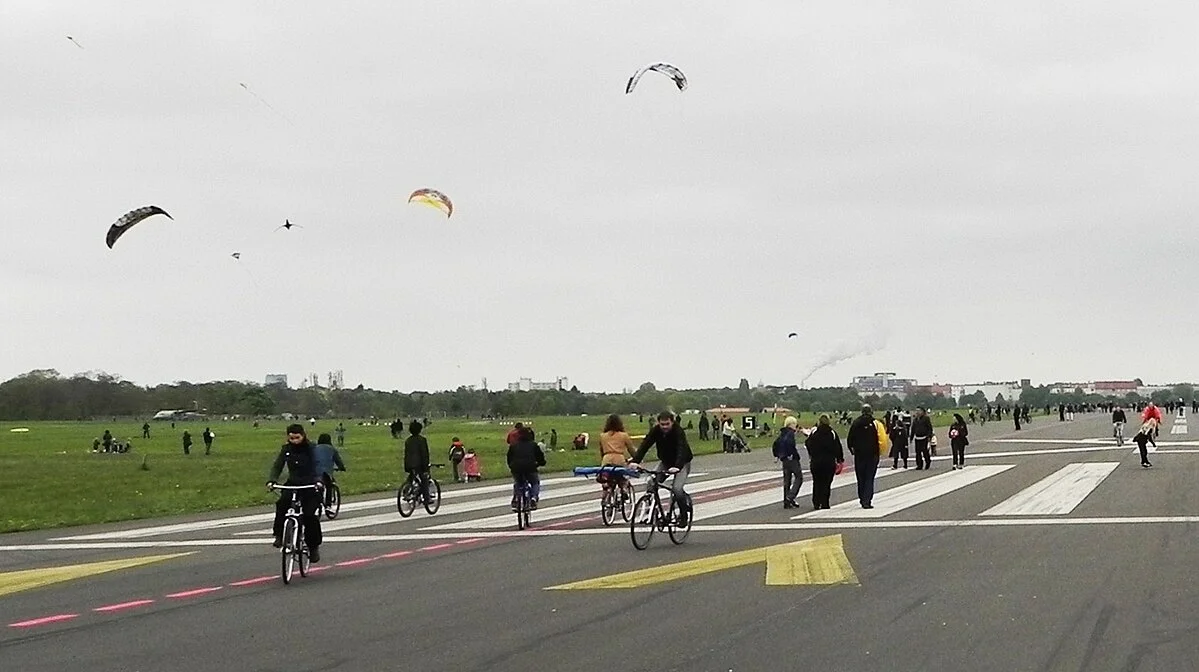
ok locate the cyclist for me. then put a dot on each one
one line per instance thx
(1119, 419)
(524, 457)
(416, 457)
(674, 455)
(299, 457)
(328, 459)
(616, 447)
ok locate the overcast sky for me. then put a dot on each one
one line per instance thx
(987, 190)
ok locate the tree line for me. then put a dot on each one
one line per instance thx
(45, 394)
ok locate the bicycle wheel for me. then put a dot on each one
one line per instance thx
(626, 504)
(644, 522)
(290, 528)
(305, 561)
(608, 507)
(522, 507)
(433, 497)
(406, 500)
(678, 533)
(334, 507)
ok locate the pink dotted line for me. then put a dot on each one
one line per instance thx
(197, 592)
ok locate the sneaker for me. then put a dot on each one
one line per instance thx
(278, 543)
(1146, 465)
(867, 506)
(894, 467)
(314, 555)
(905, 466)
(533, 505)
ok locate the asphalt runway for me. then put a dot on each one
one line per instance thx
(1053, 550)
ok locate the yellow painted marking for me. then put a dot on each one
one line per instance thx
(820, 561)
(25, 579)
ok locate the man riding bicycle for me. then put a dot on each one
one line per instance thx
(328, 459)
(1119, 419)
(299, 457)
(674, 455)
(416, 457)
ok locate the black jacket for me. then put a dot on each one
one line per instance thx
(1118, 416)
(673, 449)
(524, 457)
(961, 440)
(863, 438)
(824, 445)
(922, 428)
(300, 462)
(416, 454)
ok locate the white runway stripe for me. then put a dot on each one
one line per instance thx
(754, 500)
(1058, 494)
(906, 496)
(592, 505)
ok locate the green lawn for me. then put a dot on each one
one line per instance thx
(55, 480)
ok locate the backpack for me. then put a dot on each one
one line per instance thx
(884, 441)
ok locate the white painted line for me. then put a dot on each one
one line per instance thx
(592, 505)
(908, 495)
(1058, 494)
(259, 518)
(754, 500)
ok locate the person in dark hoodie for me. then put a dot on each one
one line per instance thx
(416, 457)
(824, 454)
(922, 435)
(674, 455)
(299, 456)
(864, 445)
(786, 452)
(524, 458)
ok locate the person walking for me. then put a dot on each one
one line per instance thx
(824, 454)
(922, 434)
(187, 442)
(341, 435)
(726, 433)
(866, 447)
(208, 436)
(704, 425)
(786, 452)
(1016, 417)
(958, 440)
(899, 441)
(146, 430)
(457, 454)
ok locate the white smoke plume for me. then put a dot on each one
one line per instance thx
(869, 344)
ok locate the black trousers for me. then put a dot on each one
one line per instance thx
(308, 519)
(923, 458)
(455, 464)
(865, 469)
(899, 452)
(959, 454)
(1143, 447)
(822, 481)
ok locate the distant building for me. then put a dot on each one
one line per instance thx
(882, 383)
(934, 389)
(528, 385)
(1010, 390)
(276, 379)
(337, 380)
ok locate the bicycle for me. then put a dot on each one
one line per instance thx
(524, 504)
(409, 492)
(649, 515)
(614, 498)
(334, 497)
(294, 550)
(1118, 432)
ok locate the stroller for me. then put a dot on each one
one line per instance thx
(470, 467)
(737, 443)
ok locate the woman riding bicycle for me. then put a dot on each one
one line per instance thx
(616, 448)
(524, 457)
(674, 455)
(299, 457)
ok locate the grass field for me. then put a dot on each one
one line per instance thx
(54, 480)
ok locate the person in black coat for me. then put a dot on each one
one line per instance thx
(824, 454)
(299, 456)
(863, 445)
(524, 458)
(786, 452)
(922, 435)
(958, 441)
(416, 456)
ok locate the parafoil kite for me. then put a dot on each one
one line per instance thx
(288, 225)
(433, 199)
(680, 80)
(792, 335)
(236, 255)
(130, 218)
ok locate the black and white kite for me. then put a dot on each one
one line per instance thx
(288, 225)
(130, 218)
(680, 80)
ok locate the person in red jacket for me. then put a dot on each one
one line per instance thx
(1152, 412)
(514, 433)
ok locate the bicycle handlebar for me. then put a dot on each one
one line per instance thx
(276, 486)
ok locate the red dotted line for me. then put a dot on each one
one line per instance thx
(197, 592)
